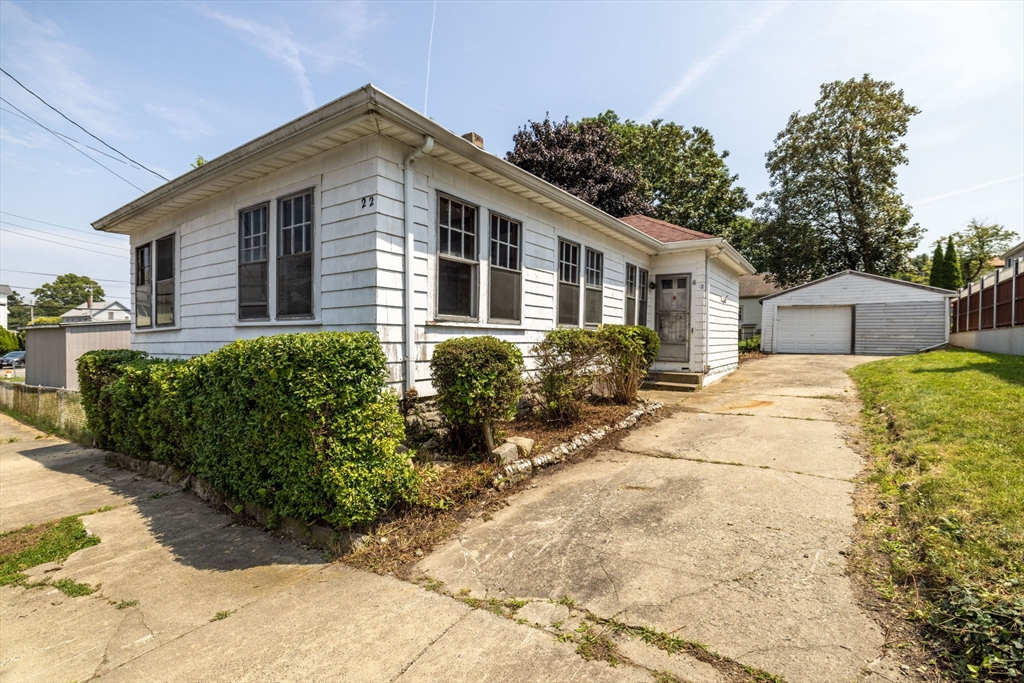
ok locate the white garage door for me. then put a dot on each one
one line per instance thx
(813, 329)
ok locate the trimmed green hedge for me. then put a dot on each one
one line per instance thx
(8, 341)
(629, 351)
(298, 423)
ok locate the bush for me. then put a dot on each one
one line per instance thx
(568, 362)
(479, 381)
(752, 344)
(8, 341)
(629, 351)
(46, 320)
(297, 423)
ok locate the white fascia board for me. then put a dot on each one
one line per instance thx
(732, 257)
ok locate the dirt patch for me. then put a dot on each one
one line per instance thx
(747, 356)
(546, 434)
(748, 404)
(13, 542)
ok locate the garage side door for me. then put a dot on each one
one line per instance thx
(813, 329)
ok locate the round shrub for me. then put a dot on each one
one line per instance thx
(569, 361)
(479, 381)
(629, 351)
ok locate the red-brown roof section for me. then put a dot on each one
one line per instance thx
(662, 231)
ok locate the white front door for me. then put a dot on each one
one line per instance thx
(672, 312)
(814, 329)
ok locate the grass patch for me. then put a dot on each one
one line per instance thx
(222, 615)
(947, 433)
(73, 589)
(37, 544)
(125, 604)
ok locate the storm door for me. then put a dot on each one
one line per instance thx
(673, 316)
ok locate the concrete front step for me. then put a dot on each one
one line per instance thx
(675, 377)
(669, 386)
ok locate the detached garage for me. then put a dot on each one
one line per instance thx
(859, 313)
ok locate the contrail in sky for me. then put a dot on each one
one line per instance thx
(702, 68)
(430, 48)
(968, 189)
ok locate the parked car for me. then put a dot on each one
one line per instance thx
(14, 359)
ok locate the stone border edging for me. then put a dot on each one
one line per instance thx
(521, 469)
(318, 535)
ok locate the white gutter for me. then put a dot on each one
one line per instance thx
(410, 259)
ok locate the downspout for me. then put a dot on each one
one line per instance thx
(410, 258)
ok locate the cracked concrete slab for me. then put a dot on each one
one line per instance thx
(745, 558)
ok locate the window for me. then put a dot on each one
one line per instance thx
(641, 318)
(165, 281)
(568, 283)
(253, 276)
(630, 294)
(594, 298)
(506, 271)
(144, 286)
(295, 256)
(457, 259)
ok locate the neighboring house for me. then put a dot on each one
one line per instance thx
(97, 311)
(752, 288)
(5, 292)
(309, 228)
(1016, 253)
(853, 312)
(52, 351)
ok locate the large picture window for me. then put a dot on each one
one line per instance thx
(457, 258)
(630, 316)
(144, 286)
(568, 283)
(594, 298)
(295, 256)
(641, 318)
(253, 275)
(506, 269)
(165, 281)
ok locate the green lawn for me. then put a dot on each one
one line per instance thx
(947, 430)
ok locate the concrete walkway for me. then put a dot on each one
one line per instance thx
(290, 616)
(725, 523)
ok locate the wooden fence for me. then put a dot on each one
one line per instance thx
(994, 301)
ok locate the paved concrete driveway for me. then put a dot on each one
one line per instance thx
(291, 617)
(725, 523)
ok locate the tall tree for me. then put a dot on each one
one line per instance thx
(688, 181)
(919, 270)
(64, 293)
(832, 202)
(953, 274)
(581, 159)
(978, 244)
(938, 272)
(17, 311)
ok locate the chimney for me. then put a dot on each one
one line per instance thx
(475, 139)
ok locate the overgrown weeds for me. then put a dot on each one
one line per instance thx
(37, 544)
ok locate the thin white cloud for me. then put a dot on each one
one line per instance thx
(184, 123)
(698, 71)
(276, 42)
(936, 198)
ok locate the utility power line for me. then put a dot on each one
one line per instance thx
(32, 272)
(63, 244)
(63, 237)
(76, 149)
(94, 233)
(105, 144)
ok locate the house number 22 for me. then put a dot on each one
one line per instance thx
(367, 201)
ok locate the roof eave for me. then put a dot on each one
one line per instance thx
(735, 258)
(938, 290)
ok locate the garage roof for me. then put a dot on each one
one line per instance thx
(860, 274)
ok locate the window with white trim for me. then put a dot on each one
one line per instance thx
(457, 259)
(154, 283)
(144, 286)
(568, 283)
(165, 281)
(630, 317)
(506, 269)
(593, 304)
(295, 256)
(641, 318)
(253, 264)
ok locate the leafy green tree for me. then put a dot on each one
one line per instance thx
(953, 275)
(832, 202)
(17, 311)
(919, 270)
(688, 181)
(938, 267)
(978, 244)
(581, 158)
(64, 293)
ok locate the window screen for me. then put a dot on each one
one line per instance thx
(457, 258)
(295, 256)
(253, 289)
(630, 316)
(594, 297)
(165, 281)
(506, 272)
(144, 286)
(642, 285)
(568, 283)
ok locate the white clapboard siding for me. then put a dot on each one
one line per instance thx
(723, 318)
(922, 322)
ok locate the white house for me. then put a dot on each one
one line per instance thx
(97, 311)
(5, 292)
(308, 228)
(858, 313)
(752, 288)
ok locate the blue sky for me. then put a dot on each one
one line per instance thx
(166, 82)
